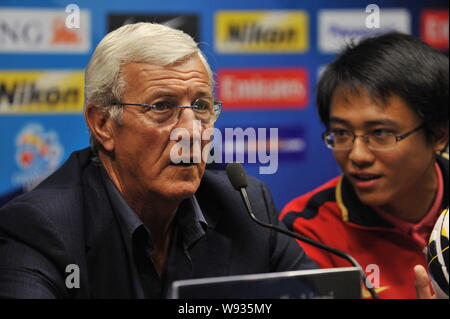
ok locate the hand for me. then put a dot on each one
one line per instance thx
(422, 283)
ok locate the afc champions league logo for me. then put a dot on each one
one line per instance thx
(38, 154)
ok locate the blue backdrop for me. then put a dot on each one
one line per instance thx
(34, 141)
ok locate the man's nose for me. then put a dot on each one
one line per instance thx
(360, 154)
(188, 121)
(186, 117)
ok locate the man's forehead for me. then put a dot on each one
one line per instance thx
(193, 63)
(363, 108)
(151, 81)
(350, 95)
(135, 71)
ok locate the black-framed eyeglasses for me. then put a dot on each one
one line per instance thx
(206, 110)
(342, 140)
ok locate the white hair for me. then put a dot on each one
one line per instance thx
(140, 42)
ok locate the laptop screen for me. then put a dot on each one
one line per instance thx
(336, 283)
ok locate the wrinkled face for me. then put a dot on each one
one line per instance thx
(381, 177)
(141, 146)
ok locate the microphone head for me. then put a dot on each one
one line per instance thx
(236, 175)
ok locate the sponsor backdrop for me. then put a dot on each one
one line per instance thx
(266, 54)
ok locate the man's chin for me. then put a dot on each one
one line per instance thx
(179, 183)
(180, 191)
(372, 200)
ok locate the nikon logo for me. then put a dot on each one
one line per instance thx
(252, 32)
(28, 93)
(36, 92)
(261, 31)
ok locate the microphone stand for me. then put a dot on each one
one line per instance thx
(309, 241)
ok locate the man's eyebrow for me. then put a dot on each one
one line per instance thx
(171, 94)
(388, 122)
(162, 92)
(206, 94)
(338, 120)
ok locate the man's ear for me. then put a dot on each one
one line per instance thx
(101, 126)
(441, 140)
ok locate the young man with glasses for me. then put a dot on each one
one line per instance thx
(125, 218)
(384, 103)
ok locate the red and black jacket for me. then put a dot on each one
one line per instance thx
(332, 214)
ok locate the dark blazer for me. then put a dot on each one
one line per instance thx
(68, 219)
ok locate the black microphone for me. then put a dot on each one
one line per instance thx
(238, 179)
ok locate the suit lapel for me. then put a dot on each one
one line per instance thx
(98, 210)
(105, 248)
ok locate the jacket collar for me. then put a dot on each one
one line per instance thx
(354, 211)
(97, 205)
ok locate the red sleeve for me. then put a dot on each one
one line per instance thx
(324, 227)
(306, 228)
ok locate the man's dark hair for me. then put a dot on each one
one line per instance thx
(392, 64)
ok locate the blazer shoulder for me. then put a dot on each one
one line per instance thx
(51, 203)
(70, 173)
(57, 200)
(50, 218)
(33, 221)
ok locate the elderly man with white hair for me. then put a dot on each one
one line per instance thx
(123, 219)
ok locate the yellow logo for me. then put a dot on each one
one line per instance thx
(366, 293)
(41, 92)
(261, 31)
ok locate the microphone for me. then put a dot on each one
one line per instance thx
(238, 179)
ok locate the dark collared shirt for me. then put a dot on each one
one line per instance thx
(188, 227)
